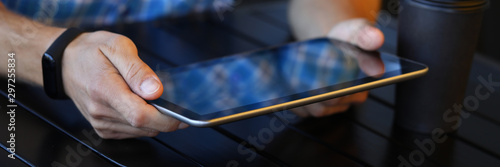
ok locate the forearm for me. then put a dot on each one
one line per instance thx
(28, 39)
(315, 18)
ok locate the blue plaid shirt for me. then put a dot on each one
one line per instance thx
(81, 13)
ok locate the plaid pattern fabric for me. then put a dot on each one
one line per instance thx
(298, 68)
(81, 13)
(317, 64)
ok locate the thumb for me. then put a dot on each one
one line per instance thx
(139, 76)
(358, 32)
(370, 62)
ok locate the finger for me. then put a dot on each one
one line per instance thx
(357, 98)
(348, 99)
(333, 102)
(370, 38)
(147, 116)
(300, 111)
(352, 31)
(315, 109)
(183, 125)
(138, 75)
(330, 110)
(115, 122)
(370, 63)
(107, 134)
(358, 32)
(103, 111)
(103, 125)
(134, 109)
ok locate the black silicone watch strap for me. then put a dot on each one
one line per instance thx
(52, 64)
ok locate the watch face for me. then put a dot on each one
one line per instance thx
(49, 75)
(52, 77)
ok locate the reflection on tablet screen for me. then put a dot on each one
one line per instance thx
(267, 77)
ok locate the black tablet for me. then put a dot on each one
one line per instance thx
(274, 79)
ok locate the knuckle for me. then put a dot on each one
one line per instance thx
(121, 43)
(137, 119)
(103, 134)
(94, 111)
(113, 43)
(101, 125)
(120, 39)
(95, 95)
(133, 71)
(172, 127)
(95, 91)
(153, 134)
(108, 136)
(113, 40)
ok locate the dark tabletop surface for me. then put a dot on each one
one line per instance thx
(53, 133)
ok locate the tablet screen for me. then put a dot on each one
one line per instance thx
(267, 77)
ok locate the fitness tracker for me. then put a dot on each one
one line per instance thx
(52, 61)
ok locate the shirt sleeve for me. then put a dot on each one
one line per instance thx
(84, 13)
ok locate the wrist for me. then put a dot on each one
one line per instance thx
(47, 37)
(28, 39)
(23, 35)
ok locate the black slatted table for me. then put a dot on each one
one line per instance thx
(53, 133)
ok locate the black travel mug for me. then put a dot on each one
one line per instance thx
(441, 34)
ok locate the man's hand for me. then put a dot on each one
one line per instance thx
(358, 32)
(109, 84)
(102, 74)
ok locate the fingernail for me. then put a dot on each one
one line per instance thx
(182, 125)
(150, 85)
